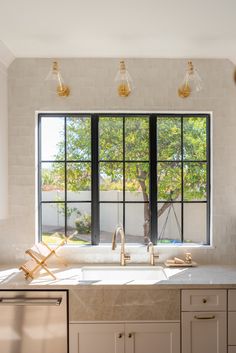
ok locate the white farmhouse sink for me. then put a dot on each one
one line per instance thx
(117, 274)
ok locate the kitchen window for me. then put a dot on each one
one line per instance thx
(147, 172)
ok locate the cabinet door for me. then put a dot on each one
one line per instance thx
(232, 349)
(99, 338)
(232, 328)
(152, 338)
(204, 332)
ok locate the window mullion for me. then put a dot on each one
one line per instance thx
(182, 179)
(124, 172)
(65, 174)
(95, 226)
(208, 213)
(153, 177)
(39, 179)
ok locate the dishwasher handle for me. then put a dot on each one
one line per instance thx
(31, 301)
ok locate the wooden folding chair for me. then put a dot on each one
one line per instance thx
(40, 254)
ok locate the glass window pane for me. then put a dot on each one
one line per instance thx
(111, 215)
(137, 220)
(137, 181)
(194, 138)
(195, 228)
(169, 222)
(111, 138)
(195, 175)
(53, 181)
(79, 181)
(137, 139)
(78, 134)
(53, 222)
(169, 181)
(79, 223)
(169, 138)
(111, 181)
(52, 139)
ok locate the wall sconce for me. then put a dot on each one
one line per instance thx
(56, 82)
(192, 82)
(124, 80)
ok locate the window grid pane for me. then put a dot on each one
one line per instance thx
(183, 174)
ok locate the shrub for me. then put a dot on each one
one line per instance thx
(83, 223)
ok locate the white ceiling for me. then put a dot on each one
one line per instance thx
(108, 28)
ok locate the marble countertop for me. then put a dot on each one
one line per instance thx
(213, 276)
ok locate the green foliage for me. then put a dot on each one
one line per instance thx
(136, 131)
(83, 223)
(78, 132)
(169, 181)
(194, 138)
(169, 138)
(47, 178)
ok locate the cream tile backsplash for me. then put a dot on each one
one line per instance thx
(92, 88)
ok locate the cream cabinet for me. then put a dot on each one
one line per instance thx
(152, 338)
(162, 337)
(232, 349)
(204, 331)
(232, 321)
(98, 337)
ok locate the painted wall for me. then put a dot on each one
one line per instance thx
(92, 88)
(3, 143)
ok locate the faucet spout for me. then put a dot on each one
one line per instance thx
(123, 256)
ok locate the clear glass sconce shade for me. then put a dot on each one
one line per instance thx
(55, 82)
(124, 81)
(192, 82)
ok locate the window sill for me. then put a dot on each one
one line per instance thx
(139, 246)
(103, 253)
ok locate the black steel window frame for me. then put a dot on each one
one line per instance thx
(153, 160)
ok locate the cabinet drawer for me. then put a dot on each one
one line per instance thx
(232, 300)
(204, 300)
(232, 349)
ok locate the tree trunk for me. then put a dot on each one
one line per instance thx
(142, 175)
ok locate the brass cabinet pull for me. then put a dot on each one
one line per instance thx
(204, 300)
(130, 335)
(204, 317)
(120, 335)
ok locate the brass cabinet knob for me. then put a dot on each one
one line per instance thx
(204, 300)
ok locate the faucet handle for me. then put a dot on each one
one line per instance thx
(152, 259)
(127, 257)
(123, 258)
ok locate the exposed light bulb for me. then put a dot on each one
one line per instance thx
(56, 82)
(192, 82)
(124, 80)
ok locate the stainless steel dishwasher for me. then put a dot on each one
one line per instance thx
(33, 321)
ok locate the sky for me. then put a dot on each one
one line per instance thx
(51, 135)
